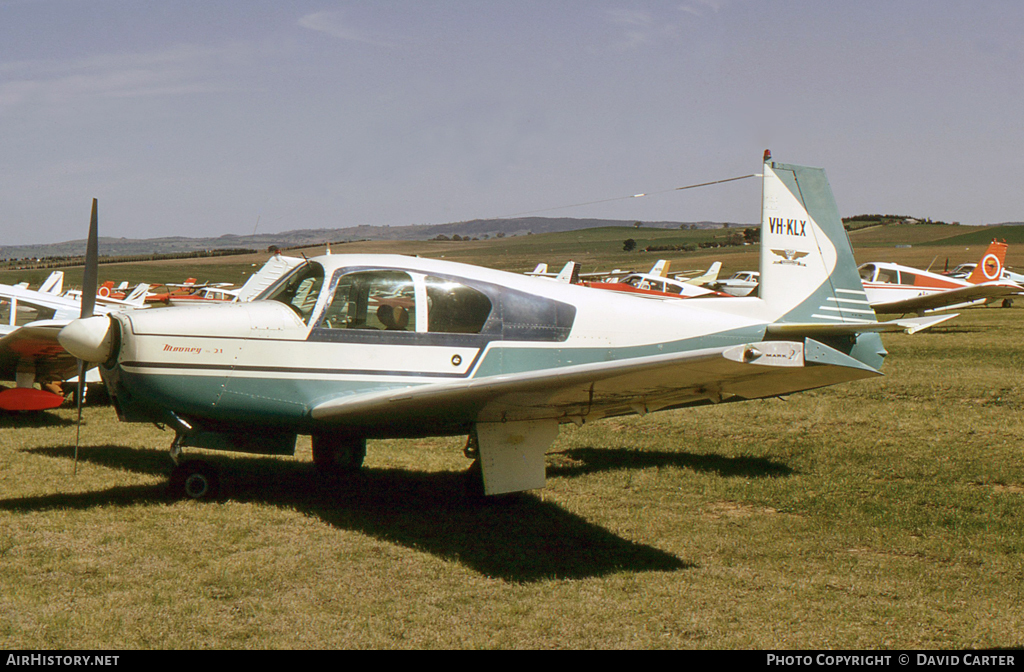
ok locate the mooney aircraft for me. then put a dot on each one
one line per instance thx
(350, 347)
(892, 288)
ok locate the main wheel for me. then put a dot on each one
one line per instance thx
(194, 479)
(338, 453)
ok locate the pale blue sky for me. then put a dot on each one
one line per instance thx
(197, 118)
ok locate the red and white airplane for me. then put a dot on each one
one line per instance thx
(892, 288)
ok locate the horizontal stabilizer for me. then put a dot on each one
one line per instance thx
(911, 325)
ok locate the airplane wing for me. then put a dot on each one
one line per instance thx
(951, 299)
(37, 343)
(602, 389)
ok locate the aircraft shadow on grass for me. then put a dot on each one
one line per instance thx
(517, 538)
(592, 460)
(9, 419)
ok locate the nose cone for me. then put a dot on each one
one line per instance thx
(88, 339)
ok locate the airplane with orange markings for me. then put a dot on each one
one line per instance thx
(892, 288)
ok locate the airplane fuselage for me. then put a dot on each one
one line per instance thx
(270, 362)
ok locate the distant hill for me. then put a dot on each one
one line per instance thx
(478, 228)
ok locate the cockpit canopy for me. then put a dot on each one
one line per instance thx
(399, 300)
(883, 274)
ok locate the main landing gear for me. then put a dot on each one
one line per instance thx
(338, 454)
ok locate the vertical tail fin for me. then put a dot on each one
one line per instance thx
(137, 297)
(808, 272)
(990, 268)
(54, 284)
(660, 268)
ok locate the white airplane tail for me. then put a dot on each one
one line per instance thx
(138, 296)
(808, 272)
(709, 276)
(570, 273)
(54, 284)
(275, 267)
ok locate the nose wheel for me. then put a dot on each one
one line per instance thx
(194, 479)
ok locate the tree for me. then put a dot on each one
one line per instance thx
(628, 245)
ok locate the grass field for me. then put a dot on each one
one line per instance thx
(883, 513)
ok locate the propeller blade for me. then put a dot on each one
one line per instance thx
(90, 277)
(90, 282)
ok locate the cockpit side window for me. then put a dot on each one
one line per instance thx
(455, 308)
(381, 300)
(299, 290)
(867, 272)
(888, 275)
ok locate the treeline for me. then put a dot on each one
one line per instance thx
(748, 236)
(864, 221)
(71, 261)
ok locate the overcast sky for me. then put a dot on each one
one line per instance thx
(220, 116)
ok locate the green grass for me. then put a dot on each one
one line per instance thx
(878, 514)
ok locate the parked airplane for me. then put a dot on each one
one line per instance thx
(964, 271)
(655, 285)
(739, 284)
(30, 353)
(350, 347)
(892, 288)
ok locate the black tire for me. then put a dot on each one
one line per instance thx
(196, 480)
(333, 453)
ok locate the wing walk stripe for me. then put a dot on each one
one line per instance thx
(844, 309)
(851, 320)
(857, 301)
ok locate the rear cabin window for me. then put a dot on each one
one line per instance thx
(455, 308)
(380, 300)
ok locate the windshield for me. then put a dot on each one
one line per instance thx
(299, 289)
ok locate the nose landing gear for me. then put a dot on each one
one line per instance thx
(192, 479)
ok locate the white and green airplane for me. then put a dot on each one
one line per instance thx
(350, 347)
